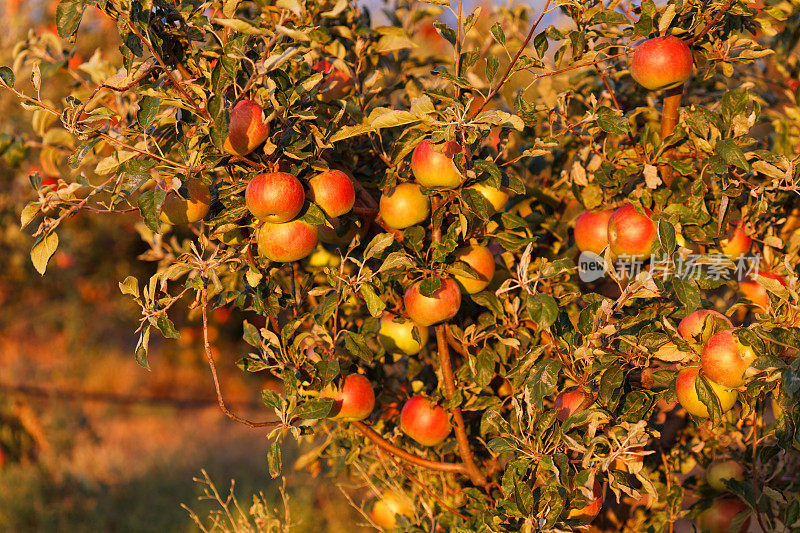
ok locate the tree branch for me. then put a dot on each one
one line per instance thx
(711, 23)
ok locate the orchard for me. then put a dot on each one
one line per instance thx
(516, 268)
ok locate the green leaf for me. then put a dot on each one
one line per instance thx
(274, 459)
(130, 286)
(357, 345)
(314, 408)
(149, 203)
(148, 109)
(396, 260)
(378, 244)
(610, 122)
(43, 250)
(687, 293)
(543, 309)
(142, 346)
(731, 154)
(666, 235)
(708, 398)
(523, 496)
(7, 76)
(375, 305)
(429, 286)
(327, 370)
(492, 64)
(501, 445)
(68, 17)
(498, 33)
(167, 328)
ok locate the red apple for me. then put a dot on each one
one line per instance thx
(433, 165)
(701, 324)
(405, 206)
(720, 470)
(289, 241)
(247, 128)
(592, 509)
(568, 402)
(498, 198)
(591, 231)
(631, 235)
(687, 393)
(482, 261)
(385, 510)
(395, 334)
(337, 83)
(736, 242)
(754, 291)
(353, 400)
(275, 197)
(333, 192)
(661, 63)
(429, 310)
(424, 422)
(179, 210)
(725, 360)
(718, 517)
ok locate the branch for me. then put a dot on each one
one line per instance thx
(711, 23)
(113, 88)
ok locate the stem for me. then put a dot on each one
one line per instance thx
(669, 118)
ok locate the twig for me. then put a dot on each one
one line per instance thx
(711, 23)
(107, 86)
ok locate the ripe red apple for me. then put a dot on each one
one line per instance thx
(736, 242)
(353, 400)
(433, 165)
(725, 360)
(701, 324)
(385, 510)
(631, 235)
(333, 192)
(568, 402)
(405, 206)
(661, 63)
(179, 210)
(592, 509)
(274, 197)
(718, 517)
(427, 311)
(396, 335)
(289, 241)
(337, 83)
(687, 393)
(2, 458)
(424, 422)
(482, 261)
(498, 198)
(247, 128)
(754, 291)
(591, 231)
(720, 470)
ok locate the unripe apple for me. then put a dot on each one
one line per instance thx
(701, 324)
(725, 360)
(247, 128)
(591, 231)
(274, 197)
(433, 165)
(179, 210)
(736, 242)
(337, 83)
(396, 335)
(498, 198)
(592, 509)
(333, 192)
(631, 235)
(353, 400)
(429, 310)
(424, 422)
(661, 63)
(718, 517)
(720, 470)
(323, 258)
(482, 261)
(405, 206)
(754, 291)
(568, 402)
(289, 241)
(384, 512)
(687, 393)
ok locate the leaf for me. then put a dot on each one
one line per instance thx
(148, 203)
(378, 244)
(314, 408)
(166, 327)
(355, 344)
(130, 286)
(492, 64)
(498, 33)
(148, 108)
(142, 346)
(610, 122)
(7, 76)
(731, 154)
(274, 459)
(523, 496)
(687, 293)
(708, 398)
(350, 131)
(542, 309)
(396, 260)
(68, 17)
(666, 235)
(43, 250)
(375, 305)
(392, 119)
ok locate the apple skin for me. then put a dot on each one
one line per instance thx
(247, 128)
(687, 394)
(353, 400)
(482, 261)
(443, 305)
(337, 84)
(754, 291)
(385, 510)
(736, 242)
(178, 210)
(591, 231)
(286, 242)
(433, 165)
(592, 509)
(498, 198)
(424, 422)
(661, 63)
(718, 517)
(631, 235)
(568, 402)
(719, 470)
(333, 192)
(699, 323)
(274, 197)
(405, 206)
(725, 360)
(397, 337)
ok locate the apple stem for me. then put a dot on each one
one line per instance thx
(669, 119)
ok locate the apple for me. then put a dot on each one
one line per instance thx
(703, 323)
(274, 197)
(333, 192)
(405, 206)
(433, 165)
(736, 242)
(247, 128)
(429, 310)
(661, 63)
(687, 393)
(720, 470)
(725, 360)
(288, 241)
(718, 517)
(482, 261)
(337, 83)
(2, 458)
(568, 402)
(353, 400)
(385, 510)
(591, 231)
(498, 198)
(179, 210)
(631, 235)
(396, 337)
(589, 511)
(754, 291)
(424, 421)
(324, 258)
